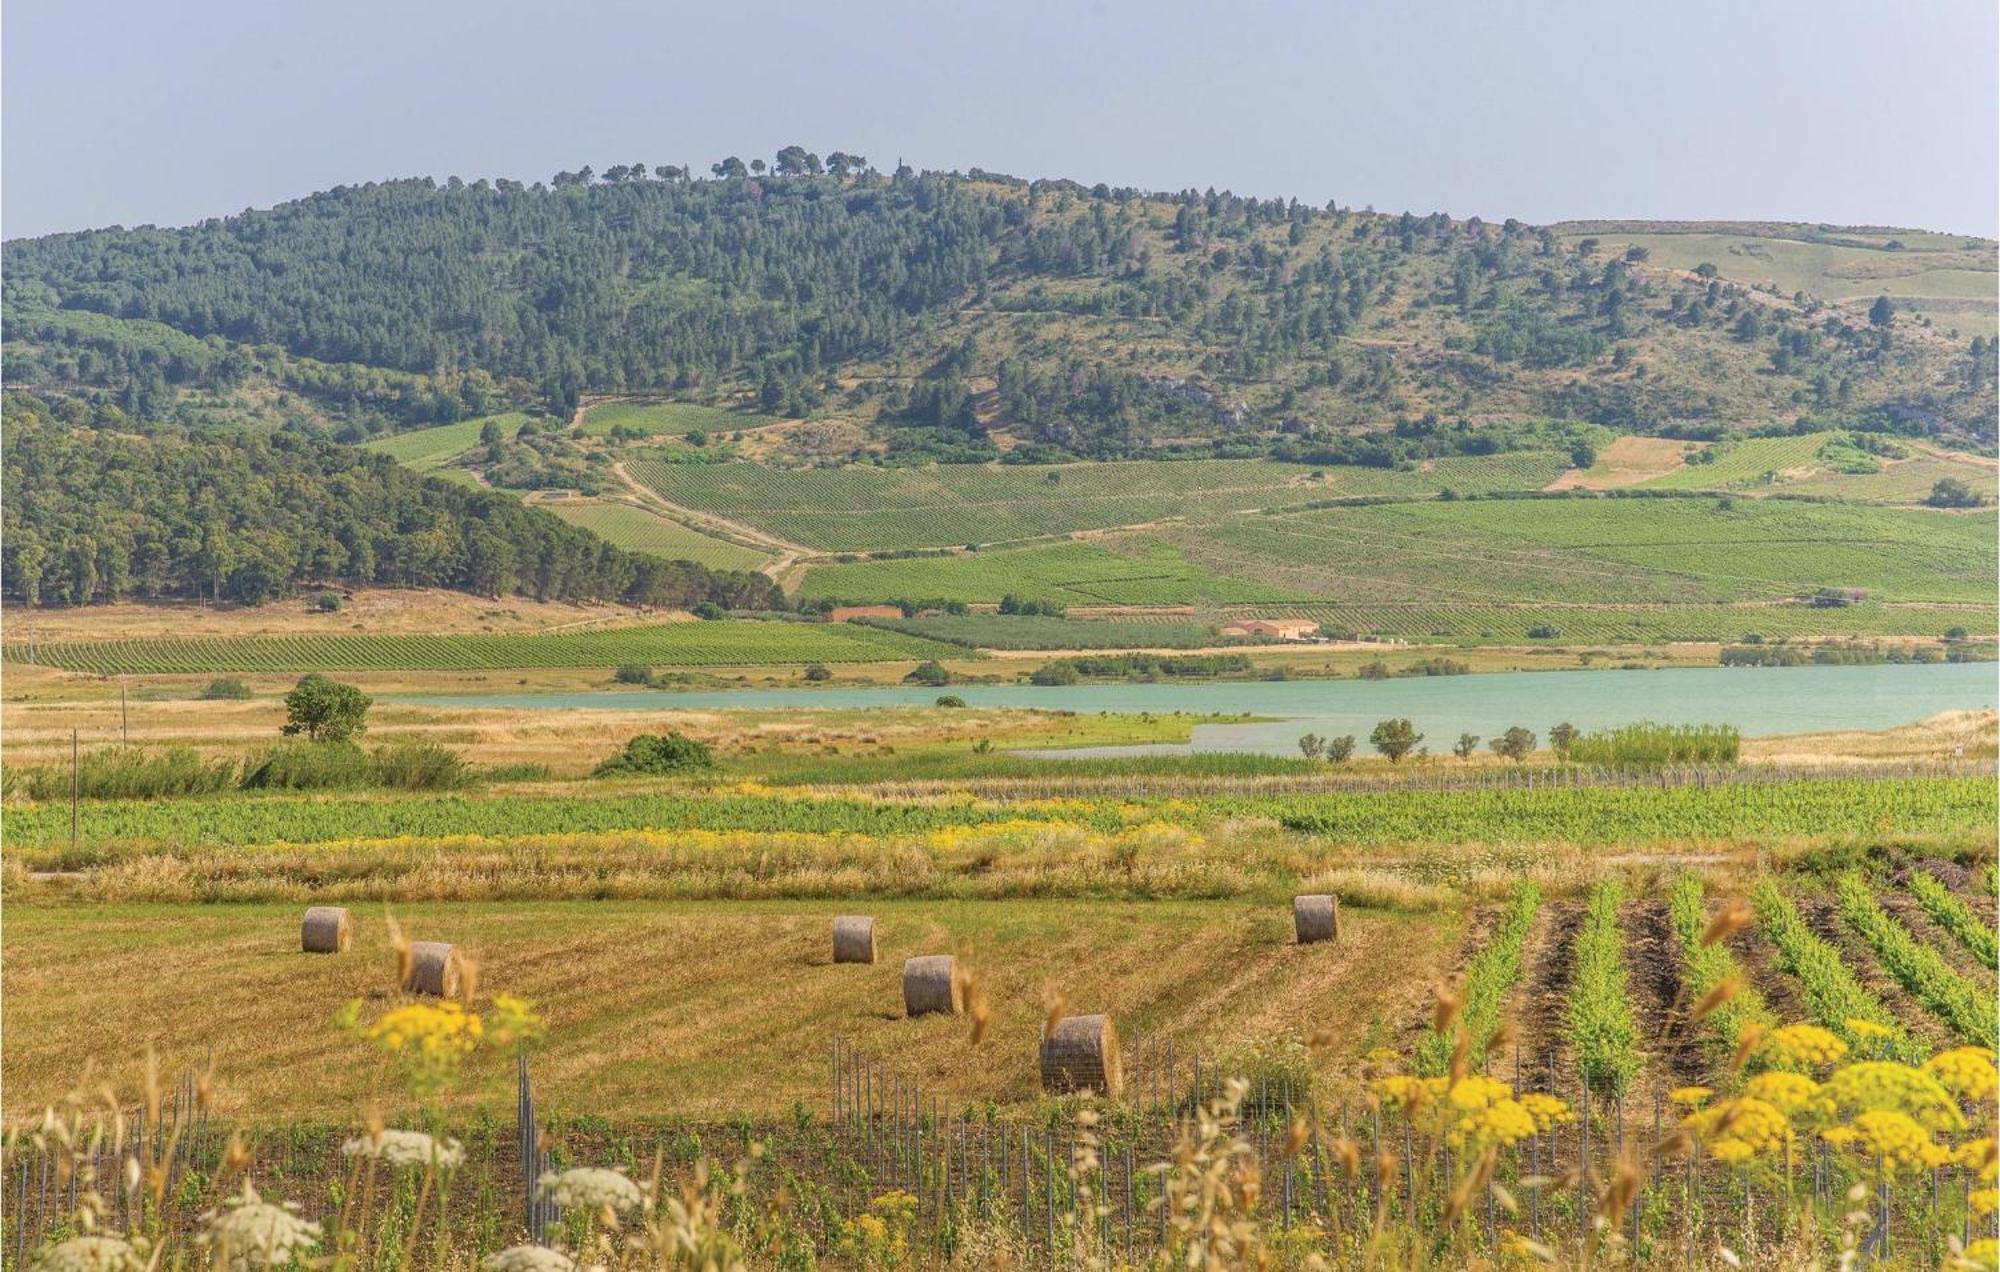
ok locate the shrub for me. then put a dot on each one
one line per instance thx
(817, 673)
(310, 766)
(1648, 745)
(416, 765)
(1341, 749)
(132, 773)
(1516, 744)
(950, 700)
(656, 753)
(928, 672)
(633, 674)
(707, 610)
(327, 602)
(1395, 739)
(227, 689)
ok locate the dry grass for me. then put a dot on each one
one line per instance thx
(1627, 462)
(425, 611)
(705, 1010)
(1940, 737)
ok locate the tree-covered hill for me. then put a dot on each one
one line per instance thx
(94, 511)
(949, 316)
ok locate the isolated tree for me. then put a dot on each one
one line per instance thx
(1950, 492)
(1882, 312)
(325, 710)
(1341, 749)
(1561, 736)
(1395, 739)
(729, 169)
(1517, 744)
(1312, 746)
(757, 166)
(1467, 743)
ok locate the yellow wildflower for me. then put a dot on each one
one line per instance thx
(1546, 1110)
(1692, 1096)
(1741, 1129)
(1983, 1253)
(1801, 1048)
(1887, 1086)
(1985, 1200)
(1892, 1138)
(1789, 1093)
(1967, 1072)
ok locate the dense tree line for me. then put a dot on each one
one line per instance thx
(96, 513)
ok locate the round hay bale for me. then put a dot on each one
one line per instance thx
(326, 930)
(1316, 918)
(1081, 1054)
(931, 983)
(854, 939)
(434, 969)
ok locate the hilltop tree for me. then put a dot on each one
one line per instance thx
(325, 710)
(1395, 739)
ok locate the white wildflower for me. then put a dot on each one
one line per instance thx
(90, 1254)
(528, 1258)
(253, 1233)
(406, 1148)
(591, 1188)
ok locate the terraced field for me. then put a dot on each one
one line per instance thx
(878, 509)
(626, 526)
(724, 643)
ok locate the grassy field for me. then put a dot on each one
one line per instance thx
(875, 509)
(667, 417)
(1131, 570)
(627, 526)
(1597, 570)
(1953, 269)
(429, 448)
(724, 643)
(1025, 632)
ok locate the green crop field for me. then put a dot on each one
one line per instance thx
(428, 448)
(1013, 631)
(1746, 463)
(1592, 551)
(724, 643)
(1607, 624)
(1123, 572)
(876, 509)
(667, 417)
(625, 526)
(1939, 268)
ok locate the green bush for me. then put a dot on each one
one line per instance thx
(929, 672)
(310, 766)
(633, 674)
(132, 773)
(1649, 745)
(1601, 1026)
(227, 689)
(950, 700)
(656, 753)
(419, 766)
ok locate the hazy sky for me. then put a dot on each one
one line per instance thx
(1819, 110)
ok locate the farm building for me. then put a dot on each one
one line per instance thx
(844, 613)
(1278, 628)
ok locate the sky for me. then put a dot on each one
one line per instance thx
(1813, 110)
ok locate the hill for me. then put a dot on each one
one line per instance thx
(964, 316)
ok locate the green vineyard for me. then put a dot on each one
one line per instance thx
(724, 643)
(637, 530)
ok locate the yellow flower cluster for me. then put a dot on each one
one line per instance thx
(1885, 1086)
(1476, 1111)
(1691, 1096)
(515, 1020)
(1801, 1048)
(437, 1030)
(1967, 1072)
(1890, 1137)
(1983, 1253)
(1742, 1129)
(1789, 1093)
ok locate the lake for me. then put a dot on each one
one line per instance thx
(1757, 700)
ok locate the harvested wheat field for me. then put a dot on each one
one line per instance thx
(704, 1009)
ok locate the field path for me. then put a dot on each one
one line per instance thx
(788, 555)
